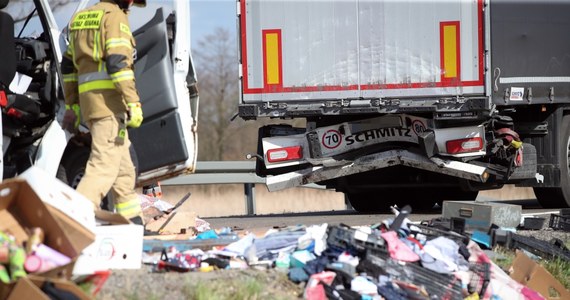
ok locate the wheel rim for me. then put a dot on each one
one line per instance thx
(76, 179)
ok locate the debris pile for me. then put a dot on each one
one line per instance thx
(395, 259)
(51, 242)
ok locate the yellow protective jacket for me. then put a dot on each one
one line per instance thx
(97, 66)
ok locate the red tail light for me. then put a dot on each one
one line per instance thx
(14, 113)
(285, 154)
(464, 145)
(3, 99)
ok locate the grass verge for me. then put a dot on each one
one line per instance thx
(243, 286)
(560, 269)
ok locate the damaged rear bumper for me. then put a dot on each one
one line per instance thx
(378, 161)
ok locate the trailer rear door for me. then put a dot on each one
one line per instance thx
(348, 49)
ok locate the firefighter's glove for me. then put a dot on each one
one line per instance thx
(135, 115)
(516, 144)
(71, 117)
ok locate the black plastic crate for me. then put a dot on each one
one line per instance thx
(480, 277)
(533, 223)
(438, 286)
(559, 222)
(432, 233)
(541, 248)
(344, 238)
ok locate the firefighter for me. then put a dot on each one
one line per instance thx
(99, 87)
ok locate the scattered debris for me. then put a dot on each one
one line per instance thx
(396, 259)
(442, 258)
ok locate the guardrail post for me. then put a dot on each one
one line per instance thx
(347, 203)
(249, 191)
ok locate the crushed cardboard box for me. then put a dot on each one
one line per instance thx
(22, 208)
(527, 272)
(60, 196)
(30, 288)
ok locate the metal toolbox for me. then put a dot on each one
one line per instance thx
(480, 215)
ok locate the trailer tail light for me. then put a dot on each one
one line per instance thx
(14, 113)
(285, 154)
(464, 145)
(3, 99)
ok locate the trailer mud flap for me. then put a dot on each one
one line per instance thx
(378, 161)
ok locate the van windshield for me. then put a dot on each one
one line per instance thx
(62, 11)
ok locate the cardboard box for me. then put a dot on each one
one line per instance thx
(62, 197)
(480, 216)
(526, 271)
(22, 208)
(30, 288)
(71, 209)
(118, 245)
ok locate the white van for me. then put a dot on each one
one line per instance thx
(33, 35)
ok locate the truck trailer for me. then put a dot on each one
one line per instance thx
(409, 102)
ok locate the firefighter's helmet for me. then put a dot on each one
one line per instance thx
(126, 4)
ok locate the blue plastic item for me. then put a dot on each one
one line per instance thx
(481, 238)
(206, 235)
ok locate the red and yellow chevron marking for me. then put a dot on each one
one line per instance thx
(272, 58)
(450, 50)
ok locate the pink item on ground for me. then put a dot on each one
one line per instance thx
(314, 290)
(398, 250)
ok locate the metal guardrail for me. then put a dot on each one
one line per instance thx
(226, 172)
(219, 172)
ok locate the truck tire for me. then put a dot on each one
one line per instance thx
(559, 197)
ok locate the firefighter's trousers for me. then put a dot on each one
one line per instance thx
(110, 167)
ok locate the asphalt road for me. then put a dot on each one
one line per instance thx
(259, 224)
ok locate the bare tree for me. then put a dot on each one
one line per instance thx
(217, 68)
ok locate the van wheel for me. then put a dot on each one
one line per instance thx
(73, 170)
(559, 197)
(75, 166)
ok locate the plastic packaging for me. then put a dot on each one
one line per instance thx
(4, 277)
(48, 254)
(17, 259)
(34, 264)
(4, 254)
